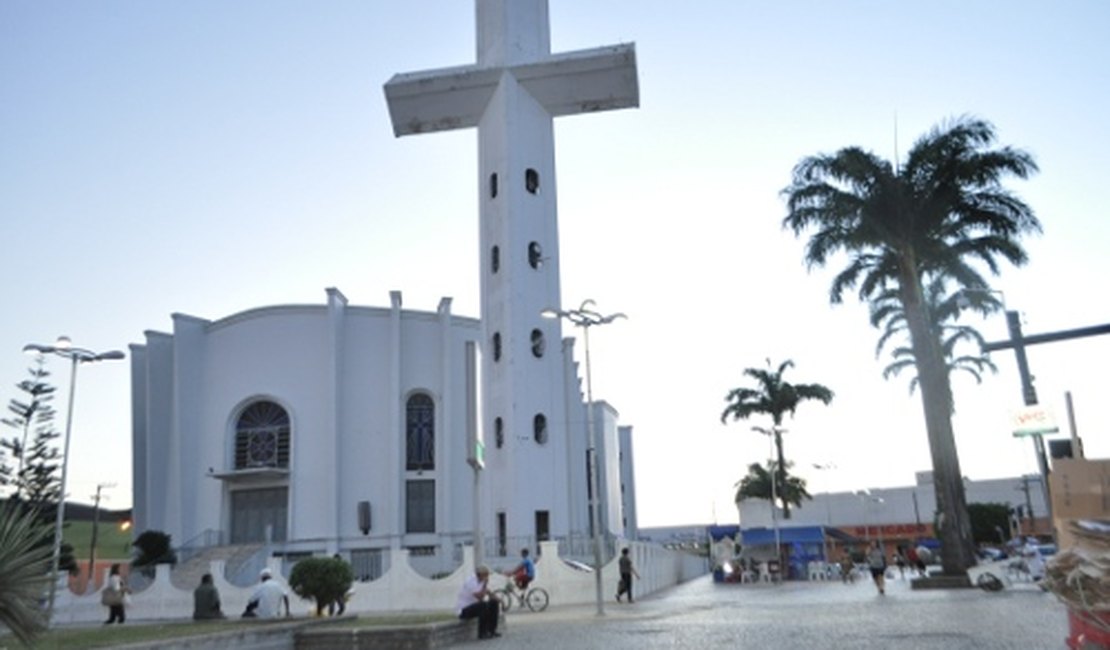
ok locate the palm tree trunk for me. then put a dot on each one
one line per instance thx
(955, 525)
(780, 474)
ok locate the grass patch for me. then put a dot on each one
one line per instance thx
(78, 638)
(74, 638)
(111, 542)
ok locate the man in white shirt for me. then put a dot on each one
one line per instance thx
(476, 600)
(267, 599)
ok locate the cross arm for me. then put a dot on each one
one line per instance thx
(584, 81)
(439, 100)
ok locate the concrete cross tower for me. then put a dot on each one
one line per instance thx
(511, 95)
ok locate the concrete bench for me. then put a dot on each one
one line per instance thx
(408, 637)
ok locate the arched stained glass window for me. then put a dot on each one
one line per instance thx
(262, 436)
(420, 429)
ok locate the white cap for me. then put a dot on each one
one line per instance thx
(265, 574)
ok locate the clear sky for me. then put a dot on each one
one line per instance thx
(207, 157)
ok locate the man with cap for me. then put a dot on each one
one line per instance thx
(476, 600)
(267, 599)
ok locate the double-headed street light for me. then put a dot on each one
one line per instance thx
(775, 475)
(586, 317)
(63, 347)
(867, 498)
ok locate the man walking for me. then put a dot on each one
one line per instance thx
(627, 571)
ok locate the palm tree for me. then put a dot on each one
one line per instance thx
(939, 215)
(888, 315)
(25, 566)
(774, 397)
(757, 485)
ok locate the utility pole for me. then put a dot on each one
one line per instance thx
(92, 544)
(1017, 342)
(1028, 501)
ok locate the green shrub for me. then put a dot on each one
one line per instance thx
(152, 547)
(323, 579)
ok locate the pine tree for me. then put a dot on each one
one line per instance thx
(34, 411)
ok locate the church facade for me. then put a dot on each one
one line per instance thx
(343, 429)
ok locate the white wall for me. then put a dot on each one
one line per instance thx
(400, 588)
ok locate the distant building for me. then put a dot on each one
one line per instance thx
(902, 513)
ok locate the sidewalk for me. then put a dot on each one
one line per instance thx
(804, 615)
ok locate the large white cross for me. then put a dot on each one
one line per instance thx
(511, 95)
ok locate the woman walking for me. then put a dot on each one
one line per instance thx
(114, 596)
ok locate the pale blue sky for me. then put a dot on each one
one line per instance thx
(208, 157)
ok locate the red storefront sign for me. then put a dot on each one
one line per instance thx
(892, 530)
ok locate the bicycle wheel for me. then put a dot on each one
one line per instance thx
(536, 599)
(989, 582)
(506, 598)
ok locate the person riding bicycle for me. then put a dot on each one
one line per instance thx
(525, 572)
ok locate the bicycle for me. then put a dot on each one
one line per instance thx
(534, 597)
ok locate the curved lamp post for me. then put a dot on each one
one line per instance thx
(63, 347)
(586, 317)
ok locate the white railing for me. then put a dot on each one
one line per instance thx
(400, 587)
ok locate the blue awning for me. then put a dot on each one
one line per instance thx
(718, 532)
(792, 535)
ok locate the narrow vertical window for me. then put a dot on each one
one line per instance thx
(495, 259)
(539, 428)
(535, 255)
(538, 343)
(420, 418)
(493, 185)
(499, 432)
(531, 180)
(497, 346)
(420, 506)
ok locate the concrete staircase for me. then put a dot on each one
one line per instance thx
(187, 574)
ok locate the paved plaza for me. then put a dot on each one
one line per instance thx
(803, 615)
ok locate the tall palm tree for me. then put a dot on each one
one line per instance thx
(757, 485)
(941, 214)
(887, 314)
(774, 397)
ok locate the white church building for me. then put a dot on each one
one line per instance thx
(341, 429)
(333, 428)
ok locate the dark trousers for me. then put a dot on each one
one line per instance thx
(486, 612)
(625, 586)
(115, 614)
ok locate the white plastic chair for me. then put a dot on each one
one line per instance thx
(816, 570)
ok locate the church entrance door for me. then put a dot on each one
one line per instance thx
(252, 511)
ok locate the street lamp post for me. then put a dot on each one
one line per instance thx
(63, 347)
(775, 474)
(586, 317)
